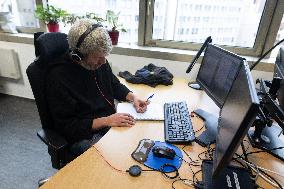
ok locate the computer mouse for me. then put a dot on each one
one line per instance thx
(163, 152)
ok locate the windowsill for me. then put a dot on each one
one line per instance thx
(147, 52)
(17, 38)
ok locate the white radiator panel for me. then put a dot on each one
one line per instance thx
(9, 64)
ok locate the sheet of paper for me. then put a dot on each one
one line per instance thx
(154, 111)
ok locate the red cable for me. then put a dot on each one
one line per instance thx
(112, 105)
(120, 170)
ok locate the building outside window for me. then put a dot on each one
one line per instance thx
(245, 24)
(20, 13)
(238, 25)
(241, 26)
(279, 37)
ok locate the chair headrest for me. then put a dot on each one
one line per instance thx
(51, 46)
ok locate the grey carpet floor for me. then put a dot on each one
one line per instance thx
(23, 157)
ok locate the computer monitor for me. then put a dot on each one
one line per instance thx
(217, 72)
(266, 134)
(216, 75)
(279, 72)
(236, 117)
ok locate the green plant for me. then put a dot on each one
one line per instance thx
(50, 14)
(112, 19)
(94, 17)
(72, 18)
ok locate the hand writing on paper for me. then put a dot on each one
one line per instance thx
(140, 105)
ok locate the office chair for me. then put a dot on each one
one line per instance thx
(48, 46)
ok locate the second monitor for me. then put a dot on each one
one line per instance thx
(216, 75)
(217, 72)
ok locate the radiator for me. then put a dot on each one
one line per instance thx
(9, 64)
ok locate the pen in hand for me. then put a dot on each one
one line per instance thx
(151, 96)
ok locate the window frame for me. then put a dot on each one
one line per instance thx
(265, 38)
(42, 25)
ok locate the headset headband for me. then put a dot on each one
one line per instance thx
(85, 34)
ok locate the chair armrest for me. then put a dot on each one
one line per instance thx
(52, 139)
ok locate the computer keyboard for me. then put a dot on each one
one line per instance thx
(178, 128)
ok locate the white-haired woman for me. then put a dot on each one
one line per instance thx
(81, 89)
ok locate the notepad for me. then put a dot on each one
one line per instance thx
(154, 111)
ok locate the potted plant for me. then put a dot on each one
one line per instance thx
(51, 16)
(112, 19)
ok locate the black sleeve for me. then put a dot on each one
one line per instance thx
(120, 91)
(63, 110)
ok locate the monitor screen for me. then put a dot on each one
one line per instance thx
(217, 72)
(279, 72)
(236, 117)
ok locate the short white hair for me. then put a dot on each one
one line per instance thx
(96, 41)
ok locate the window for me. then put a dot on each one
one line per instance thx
(136, 18)
(194, 31)
(279, 37)
(129, 13)
(242, 31)
(246, 27)
(20, 14)
(280, 33)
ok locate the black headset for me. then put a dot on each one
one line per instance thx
(75, 53)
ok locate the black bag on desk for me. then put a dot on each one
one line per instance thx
(150, 75)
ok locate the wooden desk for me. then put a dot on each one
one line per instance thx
(92, 169)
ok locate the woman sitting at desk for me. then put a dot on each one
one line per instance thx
(81, 89)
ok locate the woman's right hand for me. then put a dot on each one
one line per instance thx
(120, 120)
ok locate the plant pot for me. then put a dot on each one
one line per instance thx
(53, 27)
(114, 36)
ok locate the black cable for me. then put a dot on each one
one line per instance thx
(173, 187)
(259, 151)
(259, 186)
(199, 129)
(193, 173)
(201, 154)
(194, 115)
(239, 162)
(194, 176)
(162, 170)
(209, 151)
(187, 162)
(192, 162)
(255, 64)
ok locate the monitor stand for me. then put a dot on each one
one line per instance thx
(194, 85)
(208, 136)
(267, 138)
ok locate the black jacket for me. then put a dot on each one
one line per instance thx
(74, 99)
(150, 75)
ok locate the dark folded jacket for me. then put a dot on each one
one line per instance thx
(150, 75)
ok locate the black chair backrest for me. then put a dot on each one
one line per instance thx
(48, 47)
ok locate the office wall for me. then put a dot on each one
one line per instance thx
(20, 87)
(25, 52)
